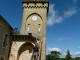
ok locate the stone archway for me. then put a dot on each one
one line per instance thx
(25, 51)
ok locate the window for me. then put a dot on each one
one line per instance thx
(28, 27)
(39, 27)
(5, 41)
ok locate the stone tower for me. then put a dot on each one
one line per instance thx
(34, 20)
(33, 27)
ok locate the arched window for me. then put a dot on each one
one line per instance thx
(28, 27)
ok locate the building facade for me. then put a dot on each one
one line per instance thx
(5, 41)
(33, 27)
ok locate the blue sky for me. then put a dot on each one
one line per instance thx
(63, 23)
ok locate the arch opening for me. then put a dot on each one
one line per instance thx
(25, 51)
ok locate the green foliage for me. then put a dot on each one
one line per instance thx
(54, 55)
(68, 56)
(15, 31)
(48, 57)
(62, 58)
(77, 58)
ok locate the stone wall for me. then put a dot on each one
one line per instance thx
(21, 50)
(5, 31)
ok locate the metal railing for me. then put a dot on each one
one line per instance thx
(32, 56)
(39, 57)
(24, 32)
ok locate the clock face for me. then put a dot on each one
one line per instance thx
(34, 18)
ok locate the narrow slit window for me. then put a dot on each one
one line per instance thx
(39, 27)
(28, 27)
(5, 40)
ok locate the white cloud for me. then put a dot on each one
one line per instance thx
(49, 49)
(53, 49)
(70, 12)
(64, 38)
(75, 1)
(53, 14)
(73, 54)
(53, 18)
(77, 54)
(63, 52)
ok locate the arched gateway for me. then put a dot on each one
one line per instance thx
(25, 51)
(33, 26)
(22, 46)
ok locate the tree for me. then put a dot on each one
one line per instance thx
(48, 57)
(15, 31)
(68, 55)
(54, 55)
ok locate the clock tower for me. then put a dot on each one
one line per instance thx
(34, 21)
(33, 27)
